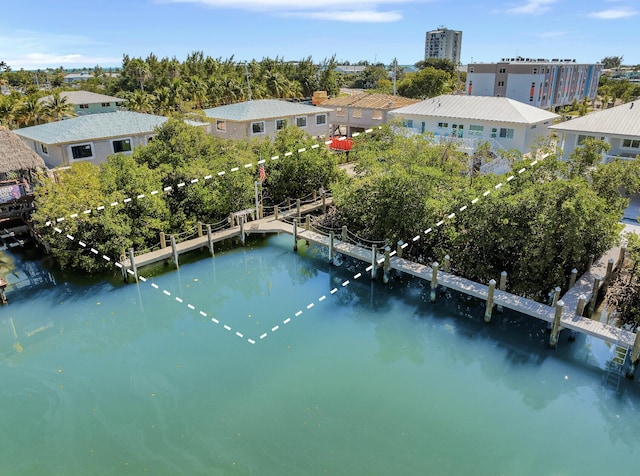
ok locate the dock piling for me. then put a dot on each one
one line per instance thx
(572, 279)
(210, 239)
(174, 248)
(503, 287)
(331, 238)
(374, 261)
(434, 281)
(295, 234)
(344, 233)
(594, 293)
(555, 328)
(163, 240)
(275, 211)
(608, 277)
(387, 264)
(447, 264)
(489, 309)
(298, 212)
(635, 355)
(132, 263)
(242, 237)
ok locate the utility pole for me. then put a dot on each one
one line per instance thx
(395, 74)
(246, 70)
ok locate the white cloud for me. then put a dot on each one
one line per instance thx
(613, 14)
(550, 34)
(354, 16)
(531, 7)
(33, 50)
(52, 60)
(356, 11)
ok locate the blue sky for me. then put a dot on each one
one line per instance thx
(71, 33)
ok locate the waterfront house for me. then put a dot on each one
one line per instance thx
(18, 166)
(357, 112)
(86, 102)
(470, 120)
(619, 126)
(92, 137)
(265, 117)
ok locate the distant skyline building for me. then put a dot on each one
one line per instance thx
(443, 44)
(538, 82)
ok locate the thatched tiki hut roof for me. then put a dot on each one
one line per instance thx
(15, 155)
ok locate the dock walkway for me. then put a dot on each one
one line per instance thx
(569, 319)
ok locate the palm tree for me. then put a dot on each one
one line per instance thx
(58, 106)
(8, 109)
(30, 111)
(139, 101)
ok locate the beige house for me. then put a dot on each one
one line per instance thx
(90, 138)
(86, 102)
(265, 117)
(619, 126)
(361, 111)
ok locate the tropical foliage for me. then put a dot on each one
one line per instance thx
(178, 154)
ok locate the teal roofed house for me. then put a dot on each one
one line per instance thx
(265, 117)
(86, 102)
(93, 137)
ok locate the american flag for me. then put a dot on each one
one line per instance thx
(263, 174)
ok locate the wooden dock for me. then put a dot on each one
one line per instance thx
(569, 320)
(584, 286)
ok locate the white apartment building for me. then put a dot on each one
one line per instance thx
(537, 82)
(443, 44)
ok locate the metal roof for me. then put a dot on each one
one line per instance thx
(621, 120)
(370, 101)
(93, 127)
(84, 97)
(480, 108)
(262, 109)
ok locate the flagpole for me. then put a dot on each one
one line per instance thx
(255, 186)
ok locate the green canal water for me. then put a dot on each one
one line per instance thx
(105, 378)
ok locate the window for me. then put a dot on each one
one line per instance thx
(257, 127)
(121, 145)
(500, 84)
(582, 138)
(631, 143)
(106, 104)
(82, 151)
(340, 112)
(476, 130)
(506, 133)
(83, 106)
(301, 121)
(281, 124)
(535, 70)
(494, 132)
(376, 115)
(44, 149)
(502, 70)
(408, 123)
(221, 125)
(471, 69)
(321, 119)
(443, 125)
(357, 113)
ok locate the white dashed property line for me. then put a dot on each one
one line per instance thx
(206, 177)
(311, 305)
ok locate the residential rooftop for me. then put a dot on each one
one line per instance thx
(262, 109)
(92, 127)
(481, 108)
